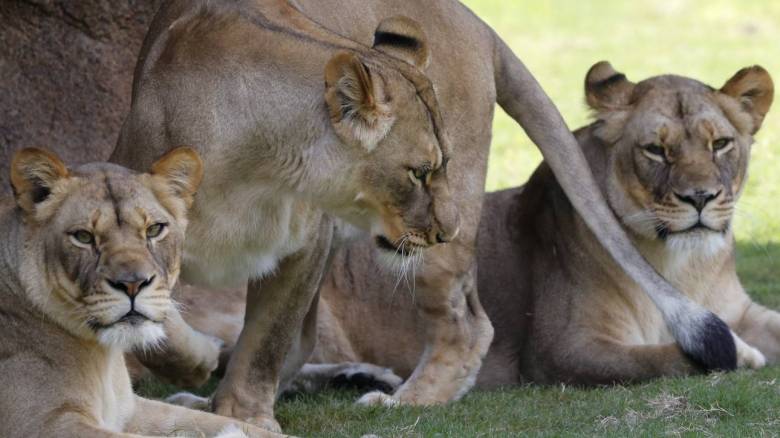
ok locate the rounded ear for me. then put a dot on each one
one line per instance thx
(33, 174)
(182, 171)
(753, 88)
(356, 101)
(403, 38)
(607, 89)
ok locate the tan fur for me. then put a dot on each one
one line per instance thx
(76, 246)
(307, 117)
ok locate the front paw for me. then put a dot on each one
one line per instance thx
(231, 431)
(203, 360)
(186, 366)
(747, 356)
(378, 398)
(189, 400)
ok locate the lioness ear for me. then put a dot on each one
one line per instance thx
(403, 38)
(753, 88)
(607, 89)
(33, 174)
(182, 170)
(356, 100)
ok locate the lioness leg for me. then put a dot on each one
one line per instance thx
(187, 357)
(157, 418)
(601, 361)
(760, 327)
(606, 361)
(458, 335)
(277, 306)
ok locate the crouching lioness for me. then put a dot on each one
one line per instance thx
(87, 260)
(671, 156)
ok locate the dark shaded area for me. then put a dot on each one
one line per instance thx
(66, 70)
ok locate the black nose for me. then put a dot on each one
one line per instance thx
(132, 284)
(698, 198)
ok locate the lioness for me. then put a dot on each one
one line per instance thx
(671, 155)
(303, 120)
(87, 260)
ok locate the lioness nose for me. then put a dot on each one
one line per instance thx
(131, 284)
(698, 198)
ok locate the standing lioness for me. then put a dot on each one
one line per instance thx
(312, 112)
(87, 260)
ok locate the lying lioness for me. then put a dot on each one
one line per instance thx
(671, 155)
(87, 260)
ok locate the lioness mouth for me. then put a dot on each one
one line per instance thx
(133, 318)
(385, 244)
(664, 232)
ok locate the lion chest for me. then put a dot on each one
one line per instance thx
(243, 234)
(112, 397)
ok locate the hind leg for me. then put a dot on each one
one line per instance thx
(760, 327)
(458, 335)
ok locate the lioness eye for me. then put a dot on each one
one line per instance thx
(83, 236)
(154, 230)
(654, 152)
(721, 143)
(422, 172)
(655, 149)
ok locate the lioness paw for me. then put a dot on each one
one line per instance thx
(378, 398)
(231, 431)
(189, 400)
(747, 356)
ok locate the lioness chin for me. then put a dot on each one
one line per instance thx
(87, 260)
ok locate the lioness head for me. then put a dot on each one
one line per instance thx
(104, 243)
(679, 150)
(399, 185)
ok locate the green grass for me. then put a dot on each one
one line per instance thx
(559, 40)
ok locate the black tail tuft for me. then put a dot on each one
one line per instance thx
(362, 382)
(714, 348)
